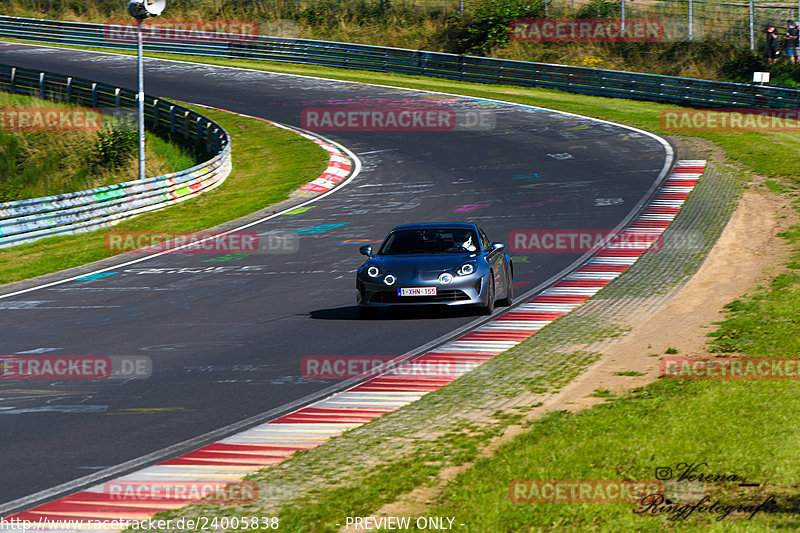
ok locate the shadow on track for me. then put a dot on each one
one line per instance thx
(350, 312)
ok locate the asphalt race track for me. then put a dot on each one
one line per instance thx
(226, 338)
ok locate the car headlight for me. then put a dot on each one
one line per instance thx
(373, 271)
(466, 269)
(445, 278)
(389, 279)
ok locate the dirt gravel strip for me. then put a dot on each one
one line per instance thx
(162, 487)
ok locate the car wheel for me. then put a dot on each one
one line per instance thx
(488, 309)
(509, 299)
(366, 313)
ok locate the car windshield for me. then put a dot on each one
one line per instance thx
(430, 241)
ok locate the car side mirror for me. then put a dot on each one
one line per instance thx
(366, 250)
(498, 245)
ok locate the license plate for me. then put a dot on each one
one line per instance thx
(417, 291)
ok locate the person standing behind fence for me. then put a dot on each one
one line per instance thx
(790, 41)
(771, 47)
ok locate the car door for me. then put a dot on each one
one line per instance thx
(494, 258)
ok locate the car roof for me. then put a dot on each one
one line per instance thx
(460, 225)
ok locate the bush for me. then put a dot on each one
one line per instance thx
(741, 65)
(116, 145)
(783, 73)
(9, 191)
(485, 29)
(599, 9)
(11, 152)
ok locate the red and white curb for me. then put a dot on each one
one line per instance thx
(339, 167)
(229, 460)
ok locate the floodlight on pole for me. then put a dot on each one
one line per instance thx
(140, 10)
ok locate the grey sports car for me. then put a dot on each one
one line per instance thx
(435, 264)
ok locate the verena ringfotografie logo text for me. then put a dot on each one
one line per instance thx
(582, 490)
(57, 367)
(580, 240)
(216, 492)
(731, 119)
(730, 368)
(158, 30)
(345, 367)
(586, 30)
(201, 242)
(396, 118)
(50, 119)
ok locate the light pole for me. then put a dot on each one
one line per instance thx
(140, 10)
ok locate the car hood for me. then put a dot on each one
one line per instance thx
(407, 266)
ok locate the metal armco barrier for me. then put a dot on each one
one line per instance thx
(28, 220)
(650, 87)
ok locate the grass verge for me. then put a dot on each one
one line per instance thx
(268, 163)
(659, 426)
(49, 162)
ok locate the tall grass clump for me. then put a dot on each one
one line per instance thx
(45, 163)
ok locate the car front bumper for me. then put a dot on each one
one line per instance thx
(463, 290)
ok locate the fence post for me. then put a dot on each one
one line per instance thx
(13, 79)
(94, 94)
(691, 20)
(209, 135)
(41, 85)
(622, 14)
(752, 31)
(172, 119)
(69, 88)
(187, 130)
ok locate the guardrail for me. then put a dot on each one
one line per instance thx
(28, 220)
(651, 87)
